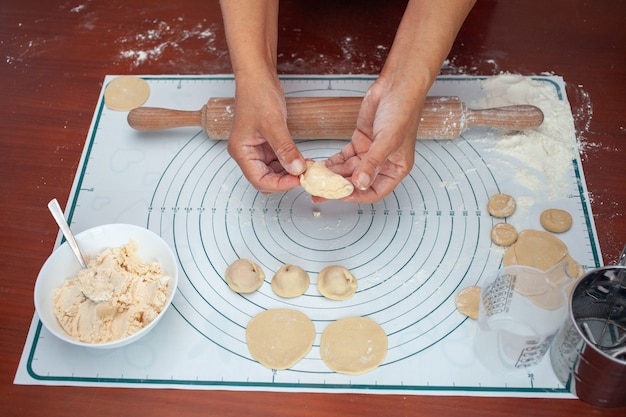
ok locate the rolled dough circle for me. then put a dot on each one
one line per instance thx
(336, 282)
(320, 181)
(468, 300)
(550, 300)
(501, 205)
(279, 338)
(536, 248)
(244, 276)
(503, 234)
(126, 93)
(290, 281)
(556, 220)
(353, 345)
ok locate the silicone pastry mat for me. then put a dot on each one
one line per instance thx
(411, 252)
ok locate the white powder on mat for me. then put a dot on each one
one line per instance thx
(551, 147)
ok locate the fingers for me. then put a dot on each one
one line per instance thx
(366, 172)
(261, 168)
(285, 149)
(382, 149)
(259, 141)
(258, 161)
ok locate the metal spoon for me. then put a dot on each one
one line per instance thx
(57, 213)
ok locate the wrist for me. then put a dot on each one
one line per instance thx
(258, 80)
(423, 40)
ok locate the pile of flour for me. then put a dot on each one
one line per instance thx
(548, 150)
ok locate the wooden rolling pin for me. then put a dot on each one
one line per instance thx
(335, 117)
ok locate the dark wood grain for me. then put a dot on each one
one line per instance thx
(55, 54)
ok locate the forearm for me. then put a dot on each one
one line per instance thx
(423, 40)
(259, 139)
(251, 32)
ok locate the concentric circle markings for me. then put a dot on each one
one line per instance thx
(410, 252)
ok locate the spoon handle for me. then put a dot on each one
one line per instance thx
(57, 213)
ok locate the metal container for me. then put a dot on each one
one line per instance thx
(588, 354)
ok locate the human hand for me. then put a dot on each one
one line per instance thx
(382, 149)
(260, 141)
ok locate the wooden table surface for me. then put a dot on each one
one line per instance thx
(56, 53)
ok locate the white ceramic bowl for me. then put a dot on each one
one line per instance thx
(62, 264)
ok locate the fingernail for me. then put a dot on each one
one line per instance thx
(362, 181)
(296, 167)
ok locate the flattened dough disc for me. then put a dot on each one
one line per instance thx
(468, 300)
(353, 345)
(539, 249)
(126, 93)
(501, 205)
(279, 338)
(556, 220)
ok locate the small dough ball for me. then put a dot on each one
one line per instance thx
(290, 281)
(126, 93)
(244, 276)
(353, 345)
(320, 181)
(501, 205)
(279, 338)
(503, 234)
(336, 283)
(468, 300)
(556, 220)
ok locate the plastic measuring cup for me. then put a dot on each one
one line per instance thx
(520, 311)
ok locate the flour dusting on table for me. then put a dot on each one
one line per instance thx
(548, 150)
(150, 43)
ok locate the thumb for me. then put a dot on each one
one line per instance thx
(287, 152)
(371, 163)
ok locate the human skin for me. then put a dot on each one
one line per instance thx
(381, 151)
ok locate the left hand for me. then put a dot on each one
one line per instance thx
(382, 149)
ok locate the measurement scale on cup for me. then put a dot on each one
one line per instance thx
(411, 252)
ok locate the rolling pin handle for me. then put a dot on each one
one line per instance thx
(516, 117)
(152, 118)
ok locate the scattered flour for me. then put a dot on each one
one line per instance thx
(150, 43)
(78, 9)
(550, 148)
(350, 59)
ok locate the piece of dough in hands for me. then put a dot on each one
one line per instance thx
(320, 181)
